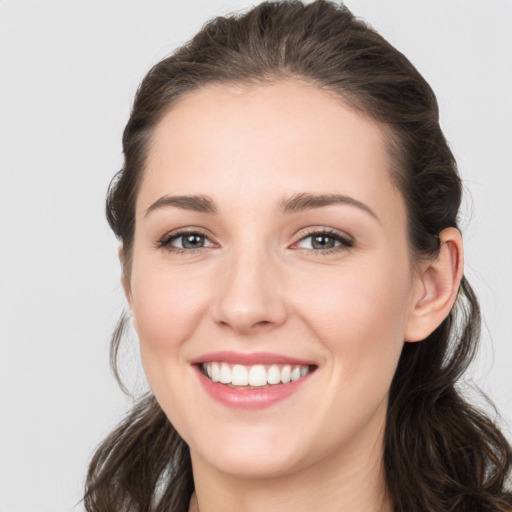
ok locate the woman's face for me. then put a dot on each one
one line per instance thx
(270, 245)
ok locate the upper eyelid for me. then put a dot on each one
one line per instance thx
(324, 231)
(175, 233)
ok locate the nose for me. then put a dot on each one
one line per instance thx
(250, 297)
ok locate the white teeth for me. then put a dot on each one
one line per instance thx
(225, 374)
(215, 372)
(240, 375)
(255, 376)
(286, 374)
(296, 373)
(274, 375)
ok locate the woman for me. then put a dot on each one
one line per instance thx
(294, 271)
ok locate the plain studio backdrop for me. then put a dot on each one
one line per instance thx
(68, 73)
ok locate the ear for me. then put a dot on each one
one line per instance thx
(438, 284)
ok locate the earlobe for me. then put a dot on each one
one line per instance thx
(438, 285)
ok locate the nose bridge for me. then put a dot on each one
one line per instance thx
(249, 294)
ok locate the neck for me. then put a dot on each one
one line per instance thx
(352, 482)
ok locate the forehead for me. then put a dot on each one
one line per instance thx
(265, 140)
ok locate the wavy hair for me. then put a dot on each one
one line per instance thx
(441, 454)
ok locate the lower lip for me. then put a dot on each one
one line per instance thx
(254, 398)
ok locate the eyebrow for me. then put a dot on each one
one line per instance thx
(196, 203)
(306, 201)
(295, 203)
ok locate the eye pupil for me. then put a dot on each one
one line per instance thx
(192, 241)
(323, 242)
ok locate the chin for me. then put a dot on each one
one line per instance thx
(254, 462)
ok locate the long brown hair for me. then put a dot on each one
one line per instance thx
(441, 454)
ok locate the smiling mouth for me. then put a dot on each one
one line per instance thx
(255, 376)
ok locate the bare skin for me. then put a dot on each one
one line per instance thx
(329, 281)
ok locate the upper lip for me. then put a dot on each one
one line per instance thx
(249, 359)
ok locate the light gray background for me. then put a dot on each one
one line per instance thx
(68, 72)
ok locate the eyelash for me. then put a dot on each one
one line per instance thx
(345, 242)
(165, 241)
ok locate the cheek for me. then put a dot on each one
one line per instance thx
(168, 309)
(360, 317)
(167, 306)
